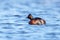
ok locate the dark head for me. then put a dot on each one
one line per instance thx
(30, 16)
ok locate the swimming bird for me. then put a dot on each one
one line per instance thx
(35, 21)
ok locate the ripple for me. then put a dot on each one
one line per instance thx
(17, 32)
(11, 33)
(52, 25)
(50, 35)
(18, 24)
(17, 15)
(22, 32)
(7, 23)
(57, 20)
(1, 32)
(24, 20)
(9, 37)
(9, 27)
(25, 11)
(12, 16)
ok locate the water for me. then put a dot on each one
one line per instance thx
(14, 24)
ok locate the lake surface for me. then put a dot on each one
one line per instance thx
(14, 23)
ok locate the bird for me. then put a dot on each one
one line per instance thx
(36, 20)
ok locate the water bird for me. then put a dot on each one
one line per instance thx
(35, 21)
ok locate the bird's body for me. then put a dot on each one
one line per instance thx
(35, 21)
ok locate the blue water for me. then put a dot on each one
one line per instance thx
(14, 24)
